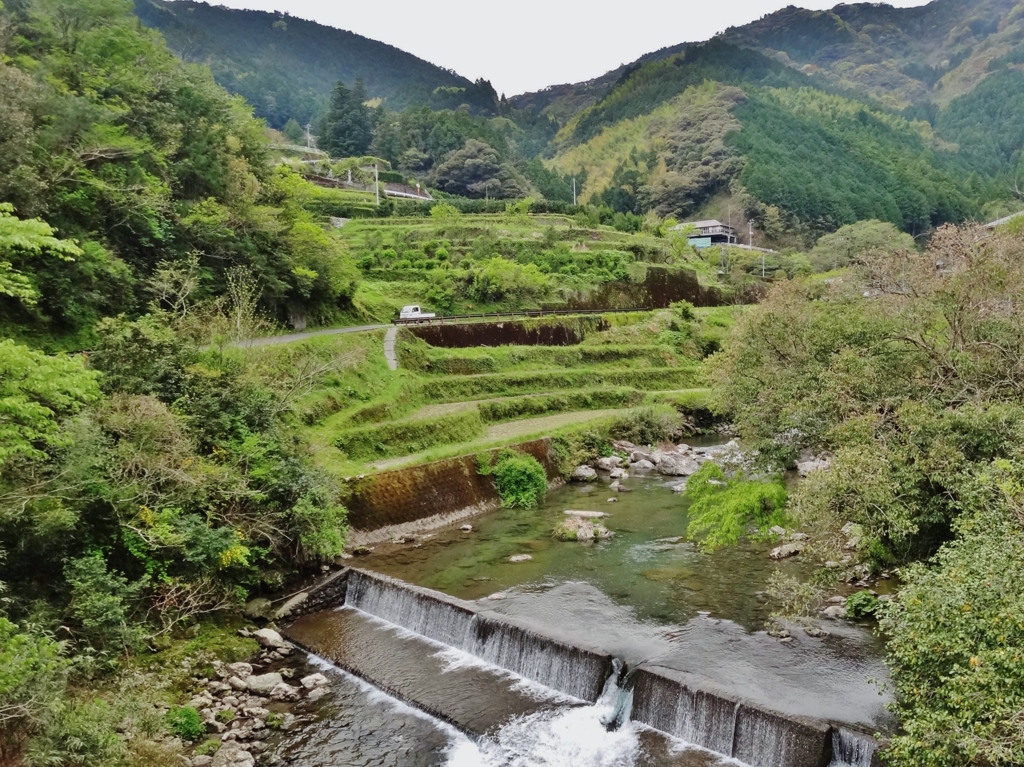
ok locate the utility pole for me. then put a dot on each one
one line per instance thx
(750, 237)
(309, 137)
(574, 191)
(376, 183)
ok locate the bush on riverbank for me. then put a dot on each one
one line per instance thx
(723, 509)
(520, 479)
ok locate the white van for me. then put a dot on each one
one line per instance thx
(413, 313)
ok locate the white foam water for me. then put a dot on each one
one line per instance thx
(849, 749)
(577, 736)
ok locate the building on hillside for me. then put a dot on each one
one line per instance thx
(708, 233)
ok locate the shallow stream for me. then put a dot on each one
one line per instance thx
(645, 596)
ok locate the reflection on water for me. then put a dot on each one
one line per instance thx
(648, 565)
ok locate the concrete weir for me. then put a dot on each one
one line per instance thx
(378, 624)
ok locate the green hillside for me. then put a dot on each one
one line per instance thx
(897, 55)
(784, 148)
(285, 66)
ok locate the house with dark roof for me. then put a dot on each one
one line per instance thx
(708, 233)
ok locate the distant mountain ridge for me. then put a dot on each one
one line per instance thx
(286, 66)
(899, 56)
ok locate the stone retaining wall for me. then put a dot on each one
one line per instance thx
(432, 490)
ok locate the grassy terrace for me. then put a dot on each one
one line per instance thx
(443, 262)
(361, 417)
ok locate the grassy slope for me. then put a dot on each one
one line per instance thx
(404, 416)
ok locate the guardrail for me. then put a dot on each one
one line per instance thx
(497, 315)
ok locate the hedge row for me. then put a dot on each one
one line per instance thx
(650, 379)
(594, 399)
(407, 437)
(437, 362)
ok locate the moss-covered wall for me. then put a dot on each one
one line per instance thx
(407, 495)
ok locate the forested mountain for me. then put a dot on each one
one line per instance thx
(898, 55)
(721, 127)
(286, 67)
(561, 102)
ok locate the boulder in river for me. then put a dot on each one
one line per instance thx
(586, 514)
(581, 529)
(262, 684)
(609, 462)
(583, 474)
(642, 465)
(676, 465)
(520, 558)
(786, 550)
(269, 638)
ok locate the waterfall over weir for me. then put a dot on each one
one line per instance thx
(851, 749)
(389, 633)
(571, 670)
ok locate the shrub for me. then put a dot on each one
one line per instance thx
(861, 605)
(208, 747)
(956, 638)
(33, 672)
(102, 603)
(684, 310)
(648, 426)
(186, 723)
(722, 510)
(79, 734)
(520, 480)
(275, 720)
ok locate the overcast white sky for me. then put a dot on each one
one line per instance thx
(525, 45)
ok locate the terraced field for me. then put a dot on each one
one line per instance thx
(452, 401)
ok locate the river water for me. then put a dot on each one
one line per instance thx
(645, 596)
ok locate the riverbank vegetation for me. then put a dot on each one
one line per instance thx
(152, 484)
(906, 371)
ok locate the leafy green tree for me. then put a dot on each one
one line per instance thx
(476, 170)
(144, 356)
(844, 246)
(36, 393)
(22, 239)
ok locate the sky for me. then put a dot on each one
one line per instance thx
(526, 45)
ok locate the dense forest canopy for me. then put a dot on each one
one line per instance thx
(144, 161)
(286, 66)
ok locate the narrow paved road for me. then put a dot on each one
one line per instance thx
(292, 337)
(389, 348)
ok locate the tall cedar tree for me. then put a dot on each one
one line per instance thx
(347, 129)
